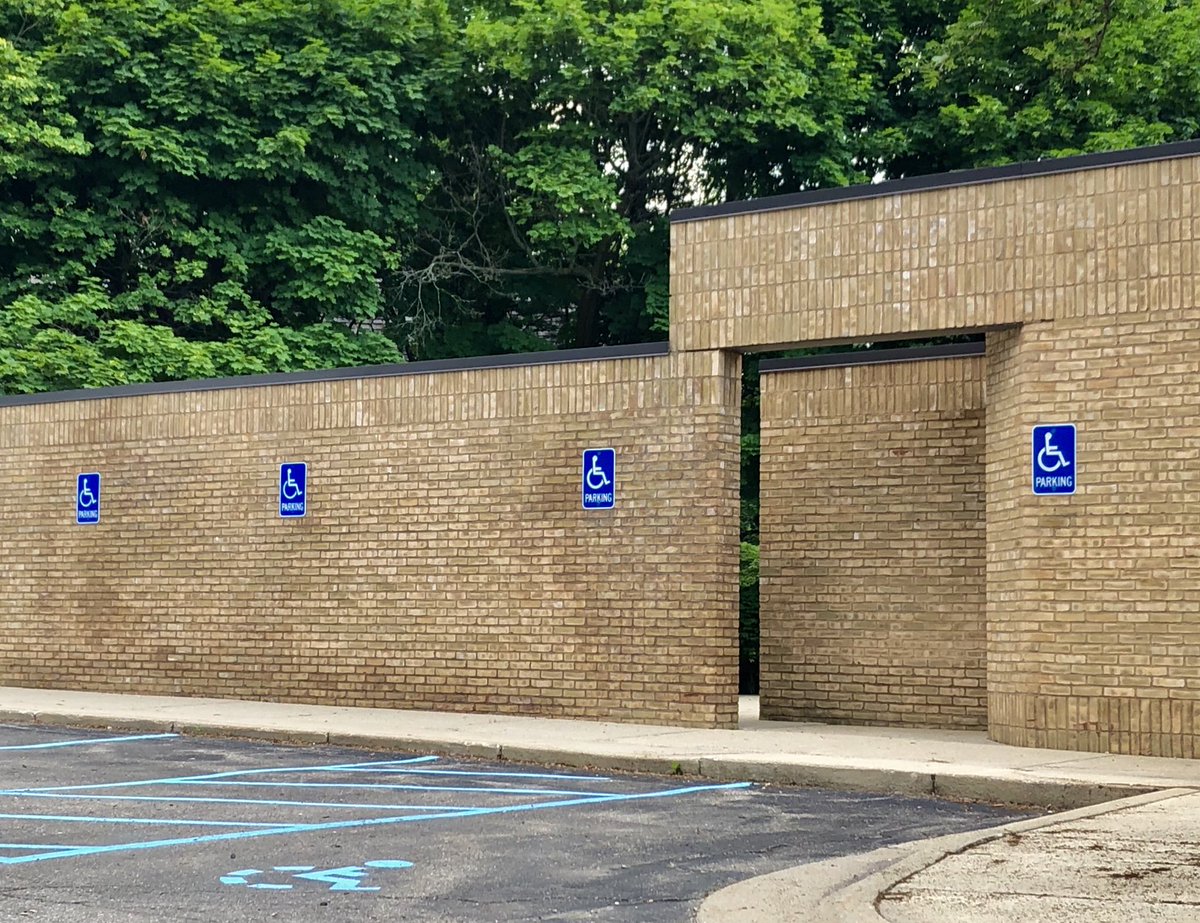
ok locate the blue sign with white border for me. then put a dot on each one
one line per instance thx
(1054, 470)
(293, 489)
(599, 488)
(87, 499)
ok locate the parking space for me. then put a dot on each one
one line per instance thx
(129, 827)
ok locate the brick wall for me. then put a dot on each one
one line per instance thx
(444, 563)
(872, 557)
(1071, 243)
(1086, 275)
(1093, 599)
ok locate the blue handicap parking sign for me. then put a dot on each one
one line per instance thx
(599, 479)
(1054, 470)
(87, 499)
(293, 489)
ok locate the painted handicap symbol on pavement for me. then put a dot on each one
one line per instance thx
(345, 878)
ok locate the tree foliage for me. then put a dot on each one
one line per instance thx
(1013, 80)
(586, 122)
(204, 187)
(208, 187)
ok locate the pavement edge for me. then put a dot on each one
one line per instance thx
(847, 889)
(1005, 787)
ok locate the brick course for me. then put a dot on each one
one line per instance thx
(445, 562)
(872, 558)
(961, 257)
(1087, 282)
(1093, 598)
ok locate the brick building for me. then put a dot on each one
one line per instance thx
(911, 575)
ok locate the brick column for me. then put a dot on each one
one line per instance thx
(1094, 599)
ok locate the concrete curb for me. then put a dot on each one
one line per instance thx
(56, 719)
(849, 889)
(815, 775)
(1004, 787)
(1057, 795)
(481, 750)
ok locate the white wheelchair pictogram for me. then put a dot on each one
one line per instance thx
(87, 499)
(290, 489)
(596, 479)
(1051, 451)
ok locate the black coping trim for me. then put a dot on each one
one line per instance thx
(874, 357)
(473, 363)
(974, 177)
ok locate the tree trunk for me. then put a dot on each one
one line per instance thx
(587, 319)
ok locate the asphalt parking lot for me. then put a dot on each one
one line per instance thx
(104, 827)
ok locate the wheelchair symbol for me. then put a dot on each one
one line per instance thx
(346, 878)
(87, 499)
(1051, 453)
(595, 478)
(290, 489)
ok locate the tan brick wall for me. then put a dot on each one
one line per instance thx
(445, 561)
(872, 556)
(1094, 599)
(1084, 243)
(1088, 282)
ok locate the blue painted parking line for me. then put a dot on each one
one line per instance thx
(363, 823)
(87, 741)
(581, 790)
(172, 799)
(168, 822)
(222, 775)
(383, 786)
(493, 775)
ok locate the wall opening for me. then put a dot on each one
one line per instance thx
(872, 536)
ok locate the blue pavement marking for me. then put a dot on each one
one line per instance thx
(223, 775)
(494, 775)
(169, 822)
(533, 799)
(343, 878)
(172, 799)
(387, 787)
(88, 740)
(599, 798)
(243, 876)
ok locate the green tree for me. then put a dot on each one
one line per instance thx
(1015, 80)
(585, 123)
(883, 35)
(207, 187)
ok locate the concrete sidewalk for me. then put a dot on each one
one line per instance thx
(950, 764)
(1128, 861)
(1134, 859)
